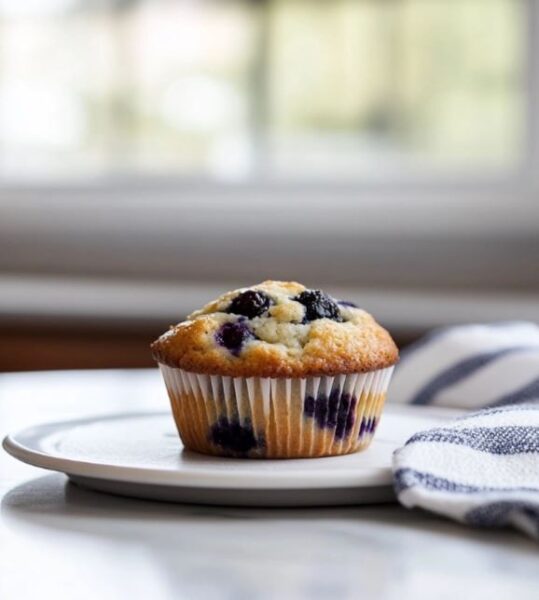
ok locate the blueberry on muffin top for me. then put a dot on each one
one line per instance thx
(277, 329)
(318, 305)
(251, 303)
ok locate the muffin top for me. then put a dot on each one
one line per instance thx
(277, 329)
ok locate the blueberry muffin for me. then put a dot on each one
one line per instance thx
(276, 371)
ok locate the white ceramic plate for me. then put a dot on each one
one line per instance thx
(140, 454)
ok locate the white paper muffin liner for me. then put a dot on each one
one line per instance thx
(276, 418)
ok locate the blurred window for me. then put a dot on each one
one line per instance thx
(242, 89)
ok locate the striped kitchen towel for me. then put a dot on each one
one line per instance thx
(470, 367)
(483, 468)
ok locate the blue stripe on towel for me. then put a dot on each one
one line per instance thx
(407, 478)
(460, 371)
(502, 440)
(499, 514)
(487, 412)
(527, 393)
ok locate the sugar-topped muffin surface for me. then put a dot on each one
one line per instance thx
(277, 329)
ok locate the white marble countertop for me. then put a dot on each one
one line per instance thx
(60, 541)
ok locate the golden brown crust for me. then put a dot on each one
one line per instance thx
(284, 348)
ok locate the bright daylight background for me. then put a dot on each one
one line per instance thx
(285, 88)
(154, 153)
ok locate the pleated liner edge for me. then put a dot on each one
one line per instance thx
(276, 418)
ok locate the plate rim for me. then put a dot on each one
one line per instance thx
(209, 477)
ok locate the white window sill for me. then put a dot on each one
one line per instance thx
(146, 303)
